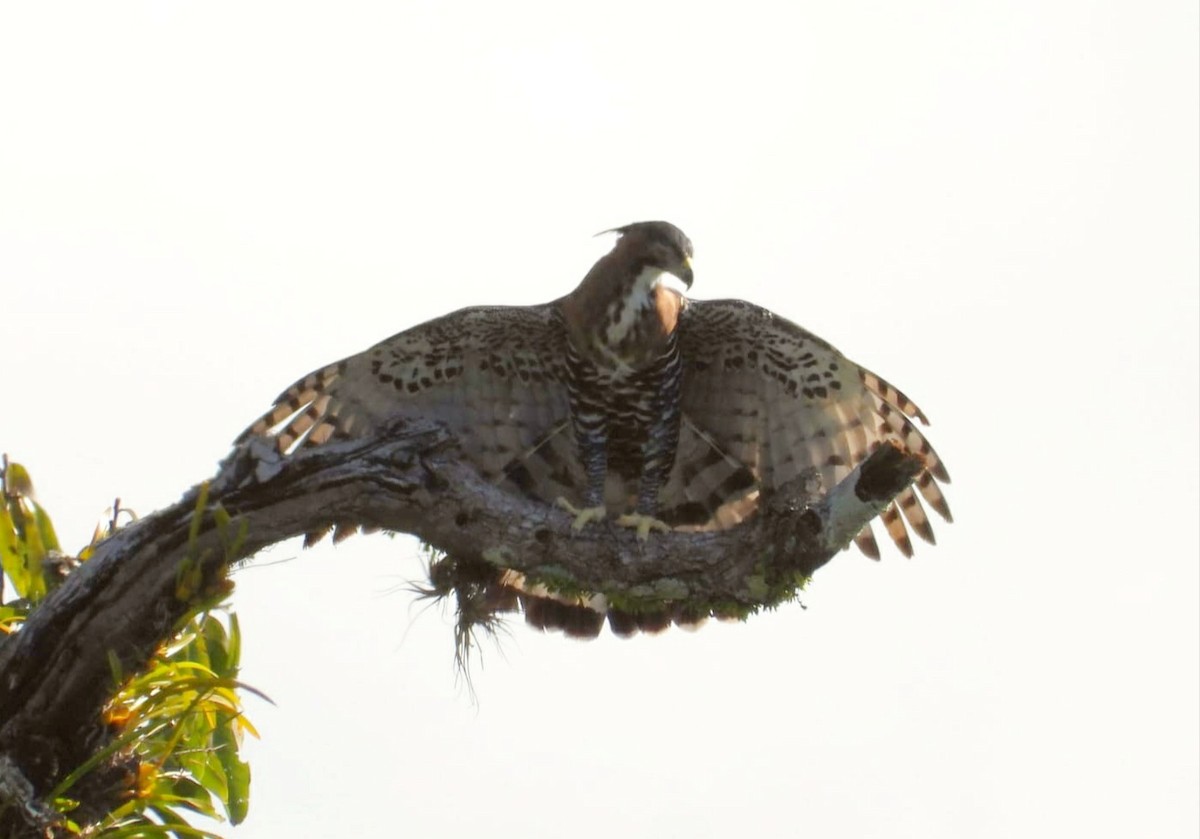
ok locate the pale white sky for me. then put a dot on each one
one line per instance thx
(992, 205)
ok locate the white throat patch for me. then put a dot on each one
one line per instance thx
(674, 283)
(636, 303)
(640, 299)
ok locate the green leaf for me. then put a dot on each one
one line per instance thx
(11, 615)
(217, 647)
(17, 481)
(198, 514)
(35, 552)
(211, 774)
(21, 552)
(234, 647)
(12, 557)
(237, 772)
(186, 792)
(45, 528)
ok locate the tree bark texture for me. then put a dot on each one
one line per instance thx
(111, 614)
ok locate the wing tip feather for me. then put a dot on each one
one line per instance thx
(865, 540)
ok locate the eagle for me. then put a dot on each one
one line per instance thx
(626, 400)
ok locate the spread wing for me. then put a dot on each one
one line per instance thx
(776, 400)
(494, 376)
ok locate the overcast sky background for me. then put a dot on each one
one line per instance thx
(992, 205)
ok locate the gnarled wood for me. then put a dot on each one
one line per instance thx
(110, 615)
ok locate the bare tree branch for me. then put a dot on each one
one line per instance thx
(110, 615)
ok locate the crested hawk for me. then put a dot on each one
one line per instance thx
(626, 399)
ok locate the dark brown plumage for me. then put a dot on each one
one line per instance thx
(626, 397)
(624, 371)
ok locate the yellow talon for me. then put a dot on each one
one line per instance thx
(582, 516)
(644, 524)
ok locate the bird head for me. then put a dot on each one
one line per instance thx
(659, 244)
(622, 314)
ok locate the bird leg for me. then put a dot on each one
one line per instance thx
(644, 524)
(643, 520)
(658, 454)
(592, 438)
(583, 516)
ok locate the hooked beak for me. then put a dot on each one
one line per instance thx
(685, 272)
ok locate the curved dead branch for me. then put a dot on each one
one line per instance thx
(111, 614)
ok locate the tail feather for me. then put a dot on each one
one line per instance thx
(314, 536)
(914, 513)
(301, 413)
(866, 543)
(890, 393)
(932, 493)
(896, 530)
(706, 485)
(911, 439)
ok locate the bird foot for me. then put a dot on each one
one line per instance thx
(643, 524)
(582, 516)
